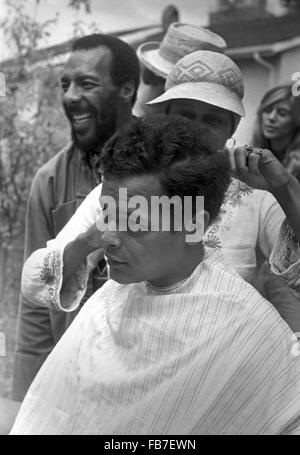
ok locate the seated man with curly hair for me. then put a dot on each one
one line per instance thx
(176, 342)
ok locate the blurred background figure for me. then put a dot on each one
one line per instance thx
(277, 126)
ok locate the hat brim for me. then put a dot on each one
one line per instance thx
(206, 92)
(149, 56)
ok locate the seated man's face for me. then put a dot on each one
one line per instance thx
(219, 121)
(139, 255)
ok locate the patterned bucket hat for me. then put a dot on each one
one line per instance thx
(206, 76)
(180, 40)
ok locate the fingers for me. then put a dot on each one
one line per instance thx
(253, 163)
(294, 167)
(231, 158)
(248, 159)
(262, 162)
(248, 165)
(240, 156)
(265, 156)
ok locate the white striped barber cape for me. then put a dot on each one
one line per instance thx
(205, 356)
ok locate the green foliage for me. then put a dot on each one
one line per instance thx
(76, 4)
(33, 129)
(22, 33)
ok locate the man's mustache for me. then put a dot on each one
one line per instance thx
(77, 110)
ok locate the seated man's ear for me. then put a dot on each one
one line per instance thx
(202, 219)
(206, 220)
(197, 228)
(127, 91)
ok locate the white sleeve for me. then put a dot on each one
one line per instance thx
(42, 274)
(271, 216)
(85, 216)
(285, 257)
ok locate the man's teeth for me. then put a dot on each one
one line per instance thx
(81, 117)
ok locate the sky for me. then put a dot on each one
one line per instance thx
(108, 15)
(111, 15)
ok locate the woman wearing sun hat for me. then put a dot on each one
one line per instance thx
(206, 77)
(208, 88)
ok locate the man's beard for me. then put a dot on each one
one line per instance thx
(106, 126)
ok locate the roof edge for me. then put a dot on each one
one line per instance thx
(56, 48)
(266, 49)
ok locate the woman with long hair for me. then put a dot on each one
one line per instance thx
(277, 126)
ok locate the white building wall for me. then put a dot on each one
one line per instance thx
(256, 79)
(289, 64)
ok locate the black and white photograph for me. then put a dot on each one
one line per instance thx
(150, 220)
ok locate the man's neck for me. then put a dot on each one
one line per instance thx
(182, 270)
(91, 154)
(124, 117)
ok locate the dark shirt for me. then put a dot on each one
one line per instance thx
(57, 190)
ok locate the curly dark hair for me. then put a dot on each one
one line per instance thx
(125, 65)
(181, 153)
